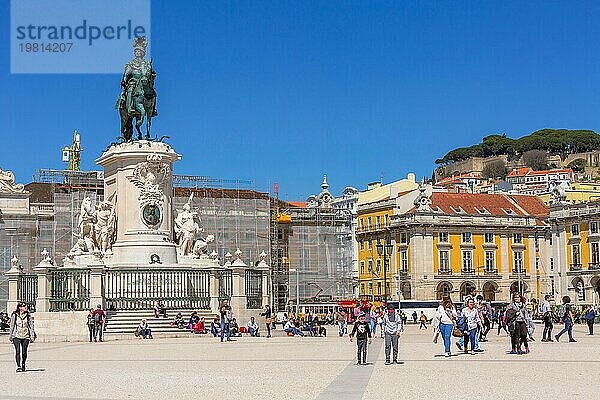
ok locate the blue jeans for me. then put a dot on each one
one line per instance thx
(295, 331)
(252, 331)
(224, 329)
(568, 328)
(341, 328)
(446, 332)
(470, 337)
(477, 337)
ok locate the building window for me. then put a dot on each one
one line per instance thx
(370, 265)
(575, 229)
(403, 238)
(362, 244)
(518, 262)
(552, 266)
(378, 266)
(467, 261)
(362, 267)
(378, 287)
(369, 223)
(370, 245)
(595, 254)
(404, 261)
(537, 263)
(443, 237)
(444, 261)
(576, 253)
(593, 227)
(362, 288)
(490, 264)
(377, 222)
(466, 237)
(370, 287)
(551, 240)
(387, 220)
(362, 224)
(518, 238)
(489, 237)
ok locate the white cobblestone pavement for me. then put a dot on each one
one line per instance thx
(300, 368)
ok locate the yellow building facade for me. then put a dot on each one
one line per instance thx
(576, 251)
(443, 243)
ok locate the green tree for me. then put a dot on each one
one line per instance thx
(578, 165)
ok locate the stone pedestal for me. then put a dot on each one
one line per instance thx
(13, 275)
(97, 285)
(238, 296)
(138, 181)
(42, 304)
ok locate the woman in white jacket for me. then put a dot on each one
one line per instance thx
(446, 314)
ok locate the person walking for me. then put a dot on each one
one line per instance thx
(566, 315)
(99, 319)
(21, 333)
(340, 319)
(90, 323)
(268, 319)
(546, 311)
(226, 317)
(392, 325)
(362, 331)
(446, 314)
(414, 317)
(517, 320)
(485, 311)
(590, 316)
(471, 316)
(422, 321)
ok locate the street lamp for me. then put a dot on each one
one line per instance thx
(386, 251)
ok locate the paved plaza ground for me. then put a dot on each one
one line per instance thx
(300, 368)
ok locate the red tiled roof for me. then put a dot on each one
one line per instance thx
(495, 204)
(530, 172)
(298, 204)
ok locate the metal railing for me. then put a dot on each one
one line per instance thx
(69, 290)
(594, 266)
(27, 290)
(253, 289)
(576, 267)
(142, 289)
(225, 285)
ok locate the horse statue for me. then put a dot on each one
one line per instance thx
(138, 97)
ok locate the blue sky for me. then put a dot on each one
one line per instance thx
(287, 91)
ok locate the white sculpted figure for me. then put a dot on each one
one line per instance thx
(105, 226)
(7, 183)
(201, 246)
(87, 219)
(187, 227)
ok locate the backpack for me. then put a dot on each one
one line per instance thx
(461, 323)
(97, 318)
(563, 312)
(511, 316)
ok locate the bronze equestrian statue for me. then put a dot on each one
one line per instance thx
(138, 97)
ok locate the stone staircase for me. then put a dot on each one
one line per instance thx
(126, 321)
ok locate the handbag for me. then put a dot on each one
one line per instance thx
(456, 332)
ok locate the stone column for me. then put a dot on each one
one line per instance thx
(264, 268)
(214, 290)
(43, 269)
(13, 275)
(97, 275)
(238, 297)
(505, 253)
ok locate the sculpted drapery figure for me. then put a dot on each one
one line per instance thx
(138, 97)
(96, 226)
(187, 227)
(7, 183)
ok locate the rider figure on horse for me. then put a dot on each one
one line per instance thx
(138, 97)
